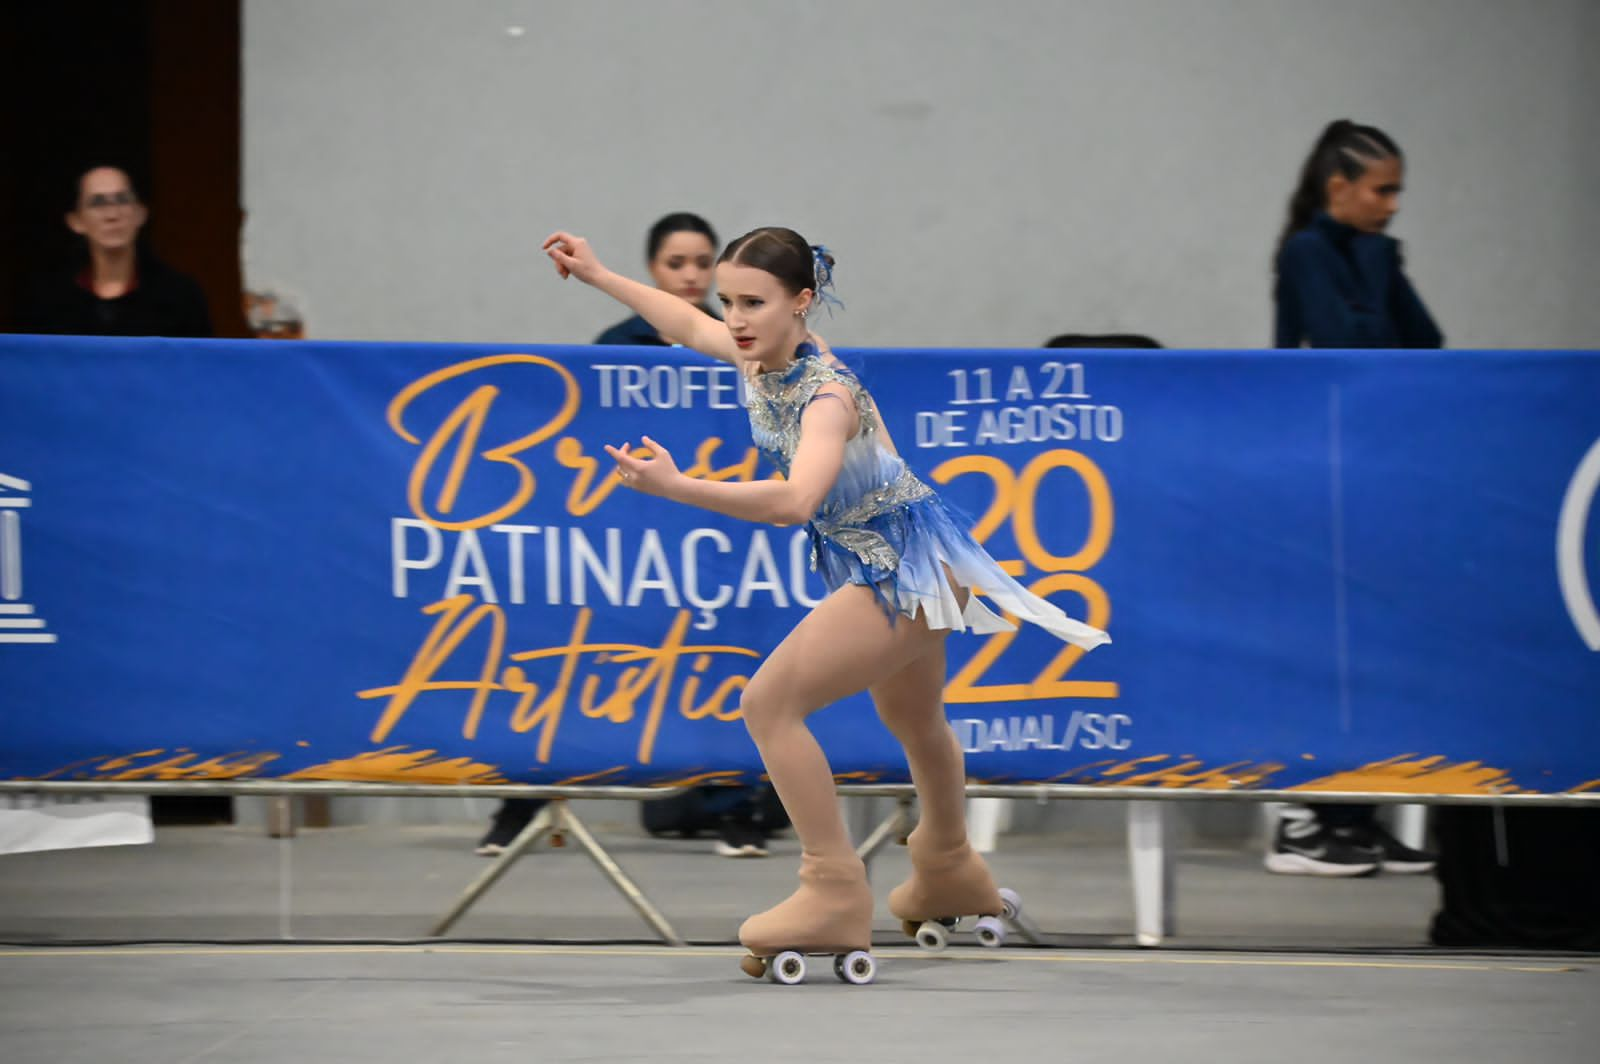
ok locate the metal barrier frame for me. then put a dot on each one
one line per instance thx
(556, 818)
(1034, 791)
(1151, 862)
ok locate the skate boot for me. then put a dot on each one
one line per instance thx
(947, 884)
(830, 914)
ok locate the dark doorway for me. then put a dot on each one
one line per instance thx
(151, 86)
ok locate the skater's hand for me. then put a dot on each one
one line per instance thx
(652, 476)
(573, 257)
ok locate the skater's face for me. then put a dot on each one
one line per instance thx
(682, 265)
(1367, 202)
(766, 322)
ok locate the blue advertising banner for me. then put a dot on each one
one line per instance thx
(413, 562)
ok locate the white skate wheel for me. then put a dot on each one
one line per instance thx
(990, 931)
(1012, 902)
(932, 936)
(788, 968)
(856, 967)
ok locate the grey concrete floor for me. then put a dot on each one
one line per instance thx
(1263, 967)
(454, 1002)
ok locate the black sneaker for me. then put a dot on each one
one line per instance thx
(1391, 854)
(740, 840)
(503, 830)
(1303, 847)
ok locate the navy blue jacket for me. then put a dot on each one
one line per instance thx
(1340, 287)
(635, 332)
(638, 332)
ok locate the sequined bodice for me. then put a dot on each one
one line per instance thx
(873, 481)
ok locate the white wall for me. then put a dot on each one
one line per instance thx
(988, 174)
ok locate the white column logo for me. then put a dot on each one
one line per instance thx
(1571, 568)
(17, 621)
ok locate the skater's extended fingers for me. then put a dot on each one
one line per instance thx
(656, 449)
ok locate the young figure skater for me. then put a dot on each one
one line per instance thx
(900, 575)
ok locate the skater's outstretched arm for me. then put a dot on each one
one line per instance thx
(670, 315)
(825, 428)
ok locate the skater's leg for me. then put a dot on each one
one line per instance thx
(911, 705)
(948, 877)
(844, 646)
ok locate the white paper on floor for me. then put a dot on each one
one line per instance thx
(30, 822)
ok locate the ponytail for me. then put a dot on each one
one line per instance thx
(1343, 148)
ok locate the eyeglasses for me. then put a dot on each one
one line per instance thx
(117, 199)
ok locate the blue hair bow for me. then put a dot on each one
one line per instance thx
(823, 271)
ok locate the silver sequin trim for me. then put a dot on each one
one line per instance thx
(906, 488)
(777, 417)
(844, 527)
(868, 546)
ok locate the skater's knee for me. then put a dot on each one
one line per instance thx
(899, 726)
(762, 713)
(915, 725)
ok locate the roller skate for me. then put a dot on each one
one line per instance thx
(829, 915)
(947, 885)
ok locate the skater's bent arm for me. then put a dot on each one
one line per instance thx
(825, 428)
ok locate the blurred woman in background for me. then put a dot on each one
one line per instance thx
(1340, 279)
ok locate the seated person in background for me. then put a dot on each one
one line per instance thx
(117, 289)
(680, 253)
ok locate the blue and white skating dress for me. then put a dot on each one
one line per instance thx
(883, 528)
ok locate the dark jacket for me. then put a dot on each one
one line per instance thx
(635, 331)
(638, 332)
(1340, 287)
(162, 302)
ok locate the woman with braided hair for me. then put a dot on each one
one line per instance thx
(1341, 283)
(1340, 278)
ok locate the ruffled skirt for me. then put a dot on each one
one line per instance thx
(928, 542)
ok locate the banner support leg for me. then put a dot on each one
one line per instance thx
(619, 879)
(555, 818)
(537, 829)
(1154, 880)
(985, 819)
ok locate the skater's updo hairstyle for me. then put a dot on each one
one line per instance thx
(1344, 148)
(679, 222)
(785, 254)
